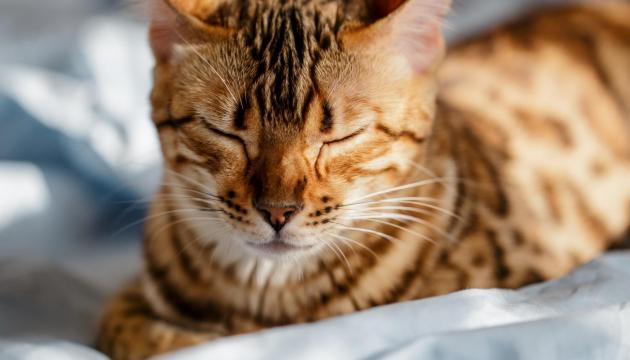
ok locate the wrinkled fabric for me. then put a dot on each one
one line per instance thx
(583, 316)
(79, 158)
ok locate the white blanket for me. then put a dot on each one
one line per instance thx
(584, 316)
(77, 153)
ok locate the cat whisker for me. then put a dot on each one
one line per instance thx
(367, 231)
(185, 198)
(413, 185)
(417, 203)
(379, 211)
(343, 255)
(343, 242)
(338, 252)
(422, 169)
(397, 216)
(157, 215)
(408, 198)
(347, 239)
(415, 233)
(163, 228)
(165, 198)
(376, 209)
(190, 180)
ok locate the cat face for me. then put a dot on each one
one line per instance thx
(279, 123)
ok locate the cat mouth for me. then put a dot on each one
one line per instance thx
(277, 247)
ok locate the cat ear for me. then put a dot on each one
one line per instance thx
(175, 22)
(411, 28)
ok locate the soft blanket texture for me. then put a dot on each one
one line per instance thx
(583, 316)
(79, 157)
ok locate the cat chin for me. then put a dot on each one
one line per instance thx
(279, 251)
(287, 246)
(281, 247)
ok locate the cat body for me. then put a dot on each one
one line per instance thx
(506, 165)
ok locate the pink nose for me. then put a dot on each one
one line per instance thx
(277, 217)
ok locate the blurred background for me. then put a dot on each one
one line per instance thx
(79, 156)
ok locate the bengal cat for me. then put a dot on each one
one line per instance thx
(318, 161)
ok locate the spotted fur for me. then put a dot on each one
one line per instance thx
(515, 171)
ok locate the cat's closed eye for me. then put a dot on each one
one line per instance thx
(222, 133)
(346, 138)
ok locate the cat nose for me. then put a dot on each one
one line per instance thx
(277, 216)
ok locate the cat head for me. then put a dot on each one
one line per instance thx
(281, 120)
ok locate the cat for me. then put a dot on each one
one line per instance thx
(323, 157)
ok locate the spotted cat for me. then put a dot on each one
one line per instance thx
(323, 157)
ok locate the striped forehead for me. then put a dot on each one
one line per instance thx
(286, 43)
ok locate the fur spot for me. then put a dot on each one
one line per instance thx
(550, 194)
(545, 127)
(502, 271)
(599, 168)
(592, 222)
(327, 118)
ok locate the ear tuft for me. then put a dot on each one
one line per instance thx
(165, 28)
(418, 28)
(412, 28)
(177, 21)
